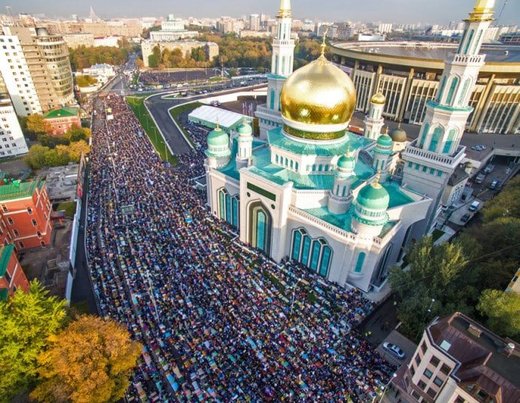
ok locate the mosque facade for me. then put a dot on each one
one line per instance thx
(343, 205)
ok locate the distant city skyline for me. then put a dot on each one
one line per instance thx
(396, 11)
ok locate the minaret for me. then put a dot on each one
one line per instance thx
(340, 195)
(433, 157)
(281, 67)
(245, 145)
(382, 152)
(374, 121)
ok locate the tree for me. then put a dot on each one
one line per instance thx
(76, 149)
(77, 133)
(86, 81)
(502, 310)
(36, 124)
(36, 156)
(438, 282)
(27, 319)
(90, 361)
(155, 58)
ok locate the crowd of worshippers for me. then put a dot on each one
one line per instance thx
(219, 320)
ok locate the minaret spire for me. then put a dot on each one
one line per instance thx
(285, 8)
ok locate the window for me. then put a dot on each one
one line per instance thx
(434, 361)
(29, 210)
(34, 223)
(422, 385)
(21, 245)
(423, 347)
(412, 370)
(431, 392)
(16, 233)
(438, 381)
(359, 263)
(417, 359)
(38, 234)
(459, 400)
(416, 395)
(4, 207)
(10, 221)
(427, 373)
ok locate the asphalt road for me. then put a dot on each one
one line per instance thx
(159, 108)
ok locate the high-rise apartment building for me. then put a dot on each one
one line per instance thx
(36, 69)
(12, 141)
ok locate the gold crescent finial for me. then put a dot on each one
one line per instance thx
(324, 43)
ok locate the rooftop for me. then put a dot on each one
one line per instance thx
(431, 50)
(65, 112)
(213, 116)
(17, 190)
(482, 355)
(5, 255)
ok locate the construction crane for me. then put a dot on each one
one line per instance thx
(502, 10)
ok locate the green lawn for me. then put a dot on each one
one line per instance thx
(68, 207)
(179, 110)
(137, 105)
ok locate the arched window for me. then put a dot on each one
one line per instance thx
(305, 250)
(260, 227)
(464, 91)
(229, 214)
(235, 218)
(441, 89)
(449, 142)
(273, 95)
(436, 138)
(453, 88)
(296, 245)
(360, 262)
(315, 256)
(325, 260)
(424, 135)
(222, 204)
(478, 41)
(228, 207)
(468, 41)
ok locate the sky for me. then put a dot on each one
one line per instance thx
(399, 11)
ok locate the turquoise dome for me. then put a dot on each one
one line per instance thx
(374, 197)
(218, 138)
(245, 129)
(385, 141)
(347, 162)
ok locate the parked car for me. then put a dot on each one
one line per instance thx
(480, 178)
(394, 350)
(465, 217)
(474, 206)
(490, 168)
(495, 184)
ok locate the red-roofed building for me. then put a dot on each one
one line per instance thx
(460, 361)
(25, 214)
(12, 276)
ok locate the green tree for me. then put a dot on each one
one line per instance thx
(36, 124)
(90, 361)
(77, 133)
(27, 320)
(86, 81)
(36, 156)
(502, 310)
(155, 58)
(76, 149)
(438, 282)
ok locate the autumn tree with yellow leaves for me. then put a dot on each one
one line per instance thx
(89, 361)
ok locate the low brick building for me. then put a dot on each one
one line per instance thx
(25, 214)
(60, 120)
(12, 276)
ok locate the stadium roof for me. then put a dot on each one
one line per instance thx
(209, 116)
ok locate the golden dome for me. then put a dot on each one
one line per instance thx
(483, 10)
(318, 94)
(378, 98)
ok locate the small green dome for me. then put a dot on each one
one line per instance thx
(385, 141)
(245, 129)
(399, 135)
(347, 162)
(218, 138)
(374, 197)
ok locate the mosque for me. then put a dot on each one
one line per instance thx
(346, 206)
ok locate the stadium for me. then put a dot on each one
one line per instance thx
(408, 74)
